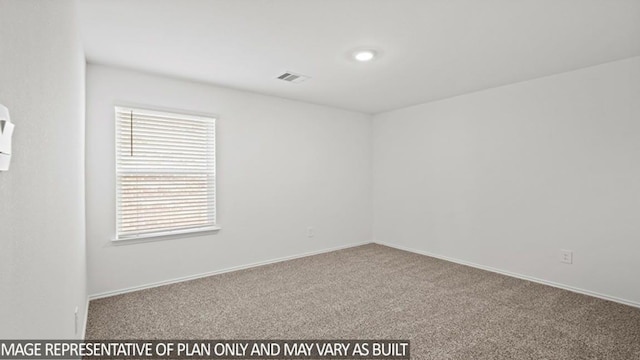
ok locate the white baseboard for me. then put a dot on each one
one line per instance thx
(216, 272)
(516, 275)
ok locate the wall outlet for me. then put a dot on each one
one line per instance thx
(566, 256)
(311, 232)
(75, 320)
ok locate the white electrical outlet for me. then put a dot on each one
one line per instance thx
(311, 232)
(566, 256)
(75, 319)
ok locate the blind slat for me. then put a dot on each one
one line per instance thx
(168, 152)
(164, 145)
(163, 116)
(150, 159)
(164, 226)
(161, 218)
(157, 211)
(125, 133)
(126, 120)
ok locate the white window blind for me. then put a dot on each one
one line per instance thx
(165, 173)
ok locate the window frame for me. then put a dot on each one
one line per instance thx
(162, 234)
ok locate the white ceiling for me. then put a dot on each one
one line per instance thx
(430, 49)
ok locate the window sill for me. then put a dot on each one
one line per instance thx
(165, 235)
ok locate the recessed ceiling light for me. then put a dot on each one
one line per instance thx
(364, 55)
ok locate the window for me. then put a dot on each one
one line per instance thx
(165, 173)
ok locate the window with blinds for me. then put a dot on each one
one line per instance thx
(165, 173)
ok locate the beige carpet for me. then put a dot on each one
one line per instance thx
(448, 311)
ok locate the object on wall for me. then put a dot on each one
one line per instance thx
(6, 131)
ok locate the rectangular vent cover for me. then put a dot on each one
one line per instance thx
(293, 77)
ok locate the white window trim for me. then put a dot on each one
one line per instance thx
(166, 235)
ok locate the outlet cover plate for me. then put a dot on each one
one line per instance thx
(566, 256)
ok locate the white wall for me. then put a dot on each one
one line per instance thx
(507, 177)
(282, 166)
(42, 233)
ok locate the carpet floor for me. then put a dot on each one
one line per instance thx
(446, 310)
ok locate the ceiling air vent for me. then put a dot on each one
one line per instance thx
(293, 77)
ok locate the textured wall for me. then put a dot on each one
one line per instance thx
(282, 166)
(42, 225)
(507, 177)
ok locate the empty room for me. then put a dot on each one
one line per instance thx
(320, 179)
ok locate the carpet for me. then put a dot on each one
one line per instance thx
(446, 310)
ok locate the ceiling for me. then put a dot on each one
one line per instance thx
(429, 49)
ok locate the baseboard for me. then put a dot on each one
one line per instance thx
(516, 275)
(217, 272)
